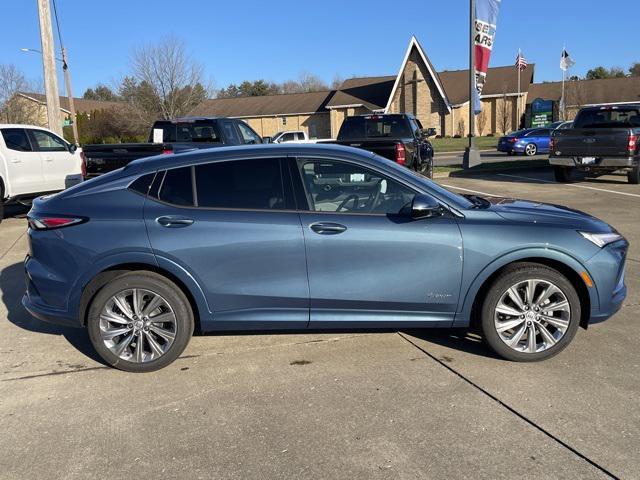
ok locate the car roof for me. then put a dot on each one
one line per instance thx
(248, 151)
(22, 125)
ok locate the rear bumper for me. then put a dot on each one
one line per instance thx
(604, 162)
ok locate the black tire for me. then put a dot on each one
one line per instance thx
(633, 175)
(426, 167)
(530, 149)
(562, 174)
(511, 153)
(511, 276)
(159, 285)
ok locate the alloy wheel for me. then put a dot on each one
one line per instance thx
(532, 316)
(531, 149)
(137, 325)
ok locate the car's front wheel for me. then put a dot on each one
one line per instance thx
(531, 312)
(140, 322)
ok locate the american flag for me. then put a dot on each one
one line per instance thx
(521, 63)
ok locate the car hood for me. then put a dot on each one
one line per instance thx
(528, 211)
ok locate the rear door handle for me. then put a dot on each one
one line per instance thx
(327, 228)
(174, 222)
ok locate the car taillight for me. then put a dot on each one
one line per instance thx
(632, 143)
(49, 222)
(513, 140)
(401, 154)
(167, 151)
(83, 165)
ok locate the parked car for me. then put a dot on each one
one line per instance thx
(170, 136)
(530, 141)
(601, 140)
(33, 161)
(298, 136)
(246, 238)
(398, 137)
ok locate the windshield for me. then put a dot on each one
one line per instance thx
(608, 117)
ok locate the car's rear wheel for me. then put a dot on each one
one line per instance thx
(633, 175)
(426, 167)
(530, 313)
(530, 150)
(140, 322)
(562, 174)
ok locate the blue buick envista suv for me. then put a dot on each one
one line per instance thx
(309, 236)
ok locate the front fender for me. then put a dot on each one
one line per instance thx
(463, 316)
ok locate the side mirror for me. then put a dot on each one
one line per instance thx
(72, 148)
(266, 140)
(430, 132)
(425, 206)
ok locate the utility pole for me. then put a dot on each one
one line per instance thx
(72, 107)
(471, 155)
(49, 66)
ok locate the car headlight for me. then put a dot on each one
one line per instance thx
(601, 239)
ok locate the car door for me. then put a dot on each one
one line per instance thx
(59, 167)
(544, 137)
(369, 263)
(232, 226)
(24, 165)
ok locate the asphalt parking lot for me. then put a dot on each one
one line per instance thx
(414, 405)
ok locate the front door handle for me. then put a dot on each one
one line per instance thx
(48, 159)
(174, 222)
(327, 228)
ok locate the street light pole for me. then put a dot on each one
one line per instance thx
(49, 67)
(72, 108)
(471, 155)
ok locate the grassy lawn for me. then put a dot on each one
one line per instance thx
(508, 165)
(457, 144)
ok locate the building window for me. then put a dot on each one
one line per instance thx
(284, 120)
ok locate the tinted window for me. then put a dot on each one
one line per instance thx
(176, 187)
(540, 132)
(248, 135)
(142, 184)
(187, 132)
(230, 133)
(287, 137)
(608, 117)
(48, 142)
(334, 186)
(375, 126)
(16, 139)
(252, 184)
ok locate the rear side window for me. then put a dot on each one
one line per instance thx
(16, 139)
(142, 184)
(48, 142)
(230, 133)
(245, 184)
(177, 187)
(612, 117)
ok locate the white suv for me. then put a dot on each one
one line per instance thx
(34, 160)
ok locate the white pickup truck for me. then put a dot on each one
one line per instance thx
(34, 160)
(292, 136)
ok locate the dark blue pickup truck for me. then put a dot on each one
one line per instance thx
(169, 136)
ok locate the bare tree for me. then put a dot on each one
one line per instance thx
(503, 114)
(15, 109)
(576, 97)
(336, 82)
(461, 127)
(170, 79)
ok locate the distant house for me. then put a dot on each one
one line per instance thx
(580, 93)
(438, 99)
(27, 107)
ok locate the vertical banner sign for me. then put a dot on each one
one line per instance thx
(485, 25)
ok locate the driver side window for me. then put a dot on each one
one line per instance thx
(334, 186)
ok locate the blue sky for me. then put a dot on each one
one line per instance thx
(280, 39)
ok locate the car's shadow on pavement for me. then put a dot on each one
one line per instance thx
(456, 339)
(12, 285)
(14, 210)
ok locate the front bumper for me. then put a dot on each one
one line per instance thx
(607, 268)
(604, 162)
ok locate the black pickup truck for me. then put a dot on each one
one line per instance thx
(602, 140)
(398, 137)
(169, 136)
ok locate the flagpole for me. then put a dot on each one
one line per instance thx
(518, 99)
(564, 71)
(471, 155)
